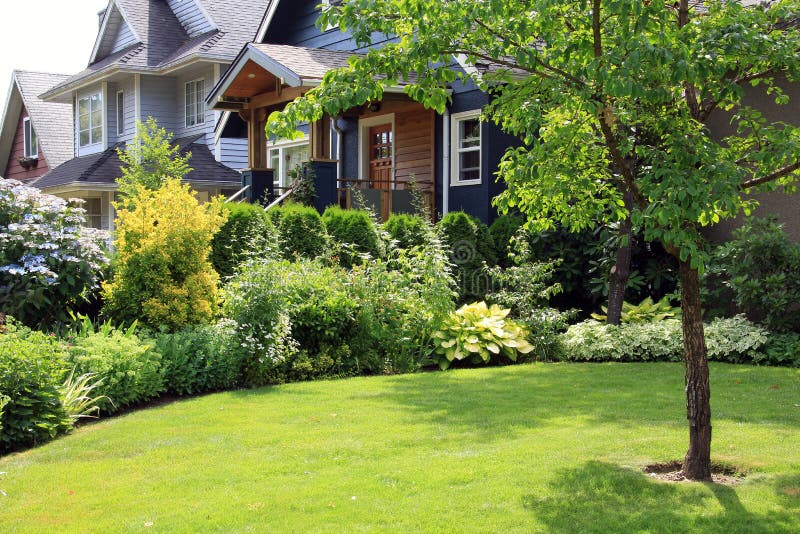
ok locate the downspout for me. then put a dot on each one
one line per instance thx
(446, 162)
(339, 136)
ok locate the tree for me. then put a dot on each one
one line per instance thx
(610, 99)
(150, 159)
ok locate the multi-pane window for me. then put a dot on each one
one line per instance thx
(195, 103)
(90, 119)
(466, 148)
(31, 142)
(284, 159)
(94, 212)
(120, 112)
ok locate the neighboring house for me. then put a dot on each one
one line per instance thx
(35, 135)
(153, 58)
(380, 148)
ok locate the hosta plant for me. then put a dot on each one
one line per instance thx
(646, 311)
(478, 333)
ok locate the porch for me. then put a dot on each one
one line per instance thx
(379, 155)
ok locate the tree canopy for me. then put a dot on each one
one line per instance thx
(608, 97)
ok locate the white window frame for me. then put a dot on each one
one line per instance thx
(196, 119)
(363, 144)
(280, 146)
(325, 5)
(120, 112)
(30, 143)
(88, 98)
(456, 150)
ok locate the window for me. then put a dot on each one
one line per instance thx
(327, 4)
(466, 148)
(90, 119)
(195, 103)
(284, 158)
(31, 142)
(120, 113)
(94, 215)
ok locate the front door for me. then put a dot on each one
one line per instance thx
(380, 157)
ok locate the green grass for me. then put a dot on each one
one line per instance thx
(556, 448)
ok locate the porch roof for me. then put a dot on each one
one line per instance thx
(259, 66)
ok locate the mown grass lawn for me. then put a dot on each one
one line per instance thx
(554, 447)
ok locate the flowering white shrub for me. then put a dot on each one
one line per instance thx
(48, 259)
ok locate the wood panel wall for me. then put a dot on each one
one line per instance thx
(414, 147)
(16, 171)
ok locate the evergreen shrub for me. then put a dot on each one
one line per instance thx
(354, 228)
(246, 230)
(470, 245)
(301, 231)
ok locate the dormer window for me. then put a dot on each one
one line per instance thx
(195, 103)
(31, 142)
(90, 119)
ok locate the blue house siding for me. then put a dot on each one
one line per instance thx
(158, 100)
(294, 24)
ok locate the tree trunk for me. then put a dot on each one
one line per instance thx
(697, 464)
(620, 272)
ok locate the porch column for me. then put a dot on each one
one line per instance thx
(256, 138)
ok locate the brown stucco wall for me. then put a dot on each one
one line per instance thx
(786, 207)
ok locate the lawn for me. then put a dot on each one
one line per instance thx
(544, 447)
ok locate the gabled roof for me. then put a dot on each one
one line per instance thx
(161, 41)
(52, 121)
(103, 169)
(293, 65)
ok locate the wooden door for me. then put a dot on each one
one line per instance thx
(381, 149)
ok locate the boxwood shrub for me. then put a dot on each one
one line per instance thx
(407, 230)
(355, 228)
(301, 231)
(244, 230)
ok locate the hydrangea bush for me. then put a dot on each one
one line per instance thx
(49, 259)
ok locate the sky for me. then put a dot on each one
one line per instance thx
(46, 35)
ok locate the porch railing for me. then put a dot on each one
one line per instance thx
(385, 197)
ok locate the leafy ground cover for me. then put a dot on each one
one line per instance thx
(542, 447)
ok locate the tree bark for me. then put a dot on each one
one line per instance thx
(697, 463)
(620, 272)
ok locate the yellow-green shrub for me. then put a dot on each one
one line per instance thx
(163, 273)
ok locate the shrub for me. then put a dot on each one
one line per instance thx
(49, 260)
(128, 366)
(759, 272)
(502, 230)
(163, 275)
(470, 245)
(31, 366)
(782, 349)
(730, 340)
(407, 230)
(282, 309)
(401, 303)
(3, 401)
(199, 359)
(355, 228)
(478, 333)
(246, 231)
(303, 189)
(526, 289)
(301, 231)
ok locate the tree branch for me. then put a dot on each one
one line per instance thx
(780, 173)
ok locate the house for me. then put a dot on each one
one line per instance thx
(384, 149)
(153, 58)
(35, 135)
